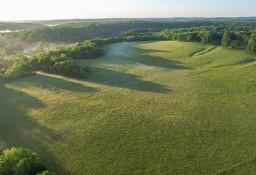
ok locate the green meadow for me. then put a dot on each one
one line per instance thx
(146, 108)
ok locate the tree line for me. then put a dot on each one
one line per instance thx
(233, 36)
(85, 31)
(58, 62)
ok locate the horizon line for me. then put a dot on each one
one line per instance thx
(52, 19)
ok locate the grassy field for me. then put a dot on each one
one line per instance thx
(146, 108)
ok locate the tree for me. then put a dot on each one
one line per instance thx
(235, 44)
(20, 68)
(207, 37)
(251, 47)
(182, 37)
(191, 36)
(225, 42)
(20, 161)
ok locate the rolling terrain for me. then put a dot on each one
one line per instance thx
(146, 108)
(12, 26)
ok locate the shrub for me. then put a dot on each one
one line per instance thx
(20, 161)
(20, 68)
(251, 47)
(225, 41)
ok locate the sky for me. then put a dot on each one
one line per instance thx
(69, 9)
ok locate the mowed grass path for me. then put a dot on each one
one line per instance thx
(146, 108)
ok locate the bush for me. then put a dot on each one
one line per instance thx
(20, 161)
(251, 47)
(20, 68)
(235, 44)
(225, 41)
(67, 67)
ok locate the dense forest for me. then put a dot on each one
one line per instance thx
(21, 161)
(233, 36)
(78, 32)
(86, 31)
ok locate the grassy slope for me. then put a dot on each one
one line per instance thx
(147, 108)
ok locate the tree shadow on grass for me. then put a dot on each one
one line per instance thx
(244, 61)
(17, 129)
(144, 57)
(115, 78)
(55, 84)
(130, 52)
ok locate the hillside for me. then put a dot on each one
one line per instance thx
(56, 22)
(11, 26)
(146, 108)
(78, 32)
(251, 20)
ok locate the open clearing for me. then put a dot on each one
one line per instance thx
(146, 108)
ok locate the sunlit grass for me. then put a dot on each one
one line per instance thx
(146, 108)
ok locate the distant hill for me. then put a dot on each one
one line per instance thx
(176, 19)
(11, 26)
(78, 32)
(73, 21)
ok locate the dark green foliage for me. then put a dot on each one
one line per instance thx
(20, 161)
(59, 62)
(67, 67)
(21, 68)
(85, 50)
(207, 37)
(191, 36)
(238, 37)
(181, 37)
(225, 42)
(252, 43)
(62, 61)
(235, 44)
(86, 31)
(62, 65)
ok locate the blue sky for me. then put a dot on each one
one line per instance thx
(57, 9)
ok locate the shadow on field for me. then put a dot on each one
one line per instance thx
(54, 84)
(17, 129)
(115, 78)
(144, 57)
(244, 61)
